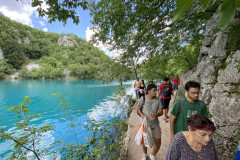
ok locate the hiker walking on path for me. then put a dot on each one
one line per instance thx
(142, 89)
(196, 143)
(184, 108)
(136, 86)
(151, 108)
(176, 82)
(165, 92)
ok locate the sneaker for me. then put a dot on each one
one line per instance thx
(145, 157)
(152, 157)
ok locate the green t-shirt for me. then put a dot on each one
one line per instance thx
(187, 111)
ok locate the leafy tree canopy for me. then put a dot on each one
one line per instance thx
(157, 25)
(145, 28)
(60, 10)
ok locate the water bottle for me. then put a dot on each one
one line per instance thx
(237, 157)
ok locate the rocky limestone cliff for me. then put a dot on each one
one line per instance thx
(66, 40)
(219, 75)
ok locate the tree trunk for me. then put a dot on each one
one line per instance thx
(135, 71)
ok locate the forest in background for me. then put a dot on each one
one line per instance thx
(155, 39)
(21, 45)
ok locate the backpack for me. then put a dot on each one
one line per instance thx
(201, 103)
(142, 108)
(166, 92)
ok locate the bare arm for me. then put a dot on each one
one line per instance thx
(160, 112)
(140, 112)
(159, 93)
(172, 123)
(155, 115)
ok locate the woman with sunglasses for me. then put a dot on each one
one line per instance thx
(194, 144)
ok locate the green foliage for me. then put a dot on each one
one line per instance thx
(234, 34)
(67, 107)
(238, 66)
(227, 11)
(60, 11)
(170, 65)
(234, 90)
(27, 136)
(13, 53)
(2, 69)
(6, 68)
(80, 71)
(144, 29)
(182, 7)
(24, 73)
(36, 48)
(118, 71)
(19, 42)
(46, 72)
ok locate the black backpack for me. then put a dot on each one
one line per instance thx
(142, 107)
(166, 91)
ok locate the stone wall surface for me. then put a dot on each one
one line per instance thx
(220, 87)
(66, 40)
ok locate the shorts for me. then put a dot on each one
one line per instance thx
(137, 91)
(156, 132)
(165, 103)
(175, 87)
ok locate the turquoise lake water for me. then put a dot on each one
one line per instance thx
(91, 96)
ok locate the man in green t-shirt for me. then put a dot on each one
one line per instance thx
(190, 106)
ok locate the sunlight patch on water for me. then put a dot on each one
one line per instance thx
(7, 145)
(109, 108)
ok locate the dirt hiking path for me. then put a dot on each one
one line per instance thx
(134, 151)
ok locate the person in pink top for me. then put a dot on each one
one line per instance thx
(165, 92)
(176, 82)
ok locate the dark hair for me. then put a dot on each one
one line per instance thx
(198, 121)
(192, 84)
(142, 81)
(165, 79)
(150, 86)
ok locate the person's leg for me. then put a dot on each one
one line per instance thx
(144, 156)
(167, 109)
(164, 109)
(137, 93)
(156, 146)
(144, 149)
(157, 140)
(174, 87)
(164, 114)
(167, 101)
